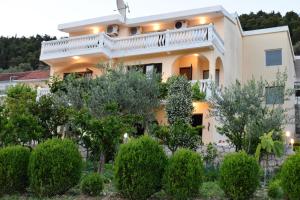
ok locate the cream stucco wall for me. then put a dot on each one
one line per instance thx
(254, 64)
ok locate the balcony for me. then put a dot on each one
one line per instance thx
(167, 41)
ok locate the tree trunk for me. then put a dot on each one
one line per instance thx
(101, 163)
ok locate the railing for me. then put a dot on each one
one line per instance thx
(140, 44)
(41, 92)
(204, 86)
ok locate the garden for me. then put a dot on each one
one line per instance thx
(99, 139)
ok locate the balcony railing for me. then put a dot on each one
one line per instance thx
(204, 86)
(170, 40)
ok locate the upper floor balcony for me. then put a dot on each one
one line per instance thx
(150, 43)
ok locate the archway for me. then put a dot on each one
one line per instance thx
(219, 76)
(193, 66)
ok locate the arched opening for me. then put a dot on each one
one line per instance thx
(193, 66)
(219, 72)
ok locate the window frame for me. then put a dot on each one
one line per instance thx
(277, 101)
(272, 65)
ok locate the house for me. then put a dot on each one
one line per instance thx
(35, 79)
(206, 44)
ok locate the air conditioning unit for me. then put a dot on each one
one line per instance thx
(135, 30)
(112, 30)
(181, 24)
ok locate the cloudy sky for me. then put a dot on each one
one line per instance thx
(30, 17)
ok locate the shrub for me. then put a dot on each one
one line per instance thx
(54, 167)
(197, 95)
(290, 177)
(139, 168)
(239, 176)
(275, 190)
(183, 176)
(13, 169)
(211, 190)
(92, 184)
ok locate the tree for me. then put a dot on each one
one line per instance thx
(262, 20)
(268, 146)
(243, 114)
(297, 48)
(21, 53)
(51, 114)
(21, 126)
(178, 135)
(179, 100)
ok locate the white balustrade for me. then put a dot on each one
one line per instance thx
(204, 86)
(139, 44)
(42, 92)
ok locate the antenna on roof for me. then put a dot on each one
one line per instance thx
(122, 8)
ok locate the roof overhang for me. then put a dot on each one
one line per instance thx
(214, 11)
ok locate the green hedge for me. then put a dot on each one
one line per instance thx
(54, 167)
(139, 168)
(92, 184)
(13, 169)
(183, 176)
(239, 176)
(275, 190)
(290, 177)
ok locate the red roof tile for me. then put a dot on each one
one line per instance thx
(29, 75)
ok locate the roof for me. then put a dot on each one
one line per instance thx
(26, 76)
(118, 19)
(266, 31)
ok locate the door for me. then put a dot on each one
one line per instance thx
(186, 71)
(197, 120)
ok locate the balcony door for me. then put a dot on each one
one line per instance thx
(187, 72)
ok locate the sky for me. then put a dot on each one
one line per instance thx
(31, 17)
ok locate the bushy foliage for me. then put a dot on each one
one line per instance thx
(21, 125)
(290, 177)
(197, 95)
(92, 184)
(54, 167)
(184, 173)
(211, 191)
(21, 53)
(262, 19)
(178, 135)
(275, 190)
(139, 168)
(179, 100)
(239, 176)
(51, 114)
(13, 169)
(297, 48)
(243, 114)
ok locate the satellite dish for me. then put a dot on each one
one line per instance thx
(122, 8)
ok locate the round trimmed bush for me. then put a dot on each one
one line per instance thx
(13, 169)
(183, 175)
(239, 176)
(92, 184)
(54, 167)
(275, 190)
(139, 167)
(290, 177)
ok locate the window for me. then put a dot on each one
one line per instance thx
(205, 74)
(274, 57)
(275, 95)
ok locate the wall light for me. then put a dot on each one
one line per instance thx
(292, 141)
(96, 30)
(287, 133)
(196, 54)
(156, 27)
(202, 20)
(76, 57)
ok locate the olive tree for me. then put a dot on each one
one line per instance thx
(246, 111)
